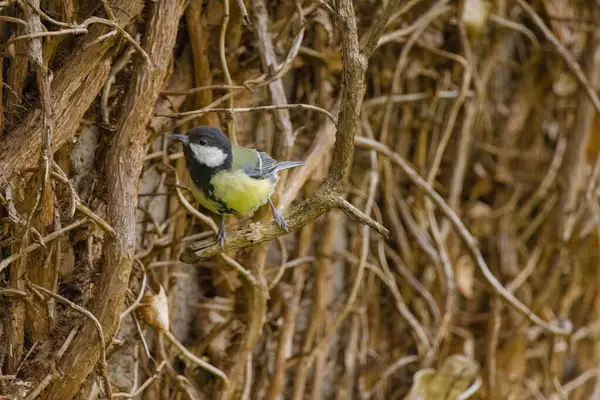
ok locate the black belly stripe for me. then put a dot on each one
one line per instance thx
(224, 209)
(210, 194)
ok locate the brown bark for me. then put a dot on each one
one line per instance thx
(75, 86)
(124, 164)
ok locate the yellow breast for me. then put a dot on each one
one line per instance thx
(240, 192)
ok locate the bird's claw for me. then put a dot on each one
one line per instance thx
(279, 220)
(222, 233)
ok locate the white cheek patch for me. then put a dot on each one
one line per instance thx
(208, 155)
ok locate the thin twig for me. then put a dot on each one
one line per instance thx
(245, 19)
(359, 216)
(138, 299)
(248, 378)
(423, 341)
(389, 371)
(269, 63)
(78, 205)
(580, 380)
(95, 218)
(37, 35)
(201, 89)
(48, 238)
(446, 324)
(138, 327)
(15, 20)
(198, 361)
(542, 190)
(250, 109)
(67, 343)
(42, 385)
(123, 32)
(456, 107)
(364, 253)
(378, 27)
(471, 390)
(410, 98)
(412, 281)
(144, 385)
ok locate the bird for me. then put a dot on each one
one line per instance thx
(229, 179)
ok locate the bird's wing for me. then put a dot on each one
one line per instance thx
(257, 164)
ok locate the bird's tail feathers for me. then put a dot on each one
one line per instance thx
(288, 164)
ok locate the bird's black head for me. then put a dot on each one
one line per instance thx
(209, 136)
(207, 151)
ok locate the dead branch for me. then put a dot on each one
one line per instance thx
(124, 163)
(203, 364)
(75, 87)
(252, 233)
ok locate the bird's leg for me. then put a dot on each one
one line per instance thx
(222, 234)
(278, 218)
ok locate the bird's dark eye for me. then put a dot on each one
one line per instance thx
(202, 142)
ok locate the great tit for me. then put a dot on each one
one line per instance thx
(227, 179)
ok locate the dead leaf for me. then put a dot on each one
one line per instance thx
(484, 184)
(465, 273)
(11, 47)
(453, 378)
(475, 15)
(155, 309)
(480, 213)
(565, 85)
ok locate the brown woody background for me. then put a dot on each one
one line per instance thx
(445, 236)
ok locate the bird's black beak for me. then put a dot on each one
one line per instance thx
(182, 138)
